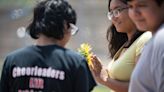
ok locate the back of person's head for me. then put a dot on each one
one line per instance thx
(49, 19)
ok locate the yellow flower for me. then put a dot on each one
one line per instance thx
(85, 50)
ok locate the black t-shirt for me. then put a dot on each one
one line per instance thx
(46, 69)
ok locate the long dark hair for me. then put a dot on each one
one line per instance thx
(117, 39)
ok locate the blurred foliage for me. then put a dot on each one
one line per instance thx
(16, 3)
(1, 64)
(101, 88)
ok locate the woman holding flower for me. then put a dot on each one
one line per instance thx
(125, 45)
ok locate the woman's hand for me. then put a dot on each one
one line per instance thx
(97, 70)
(101, 76)
(96, 65)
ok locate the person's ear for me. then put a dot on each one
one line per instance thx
(66, 27)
